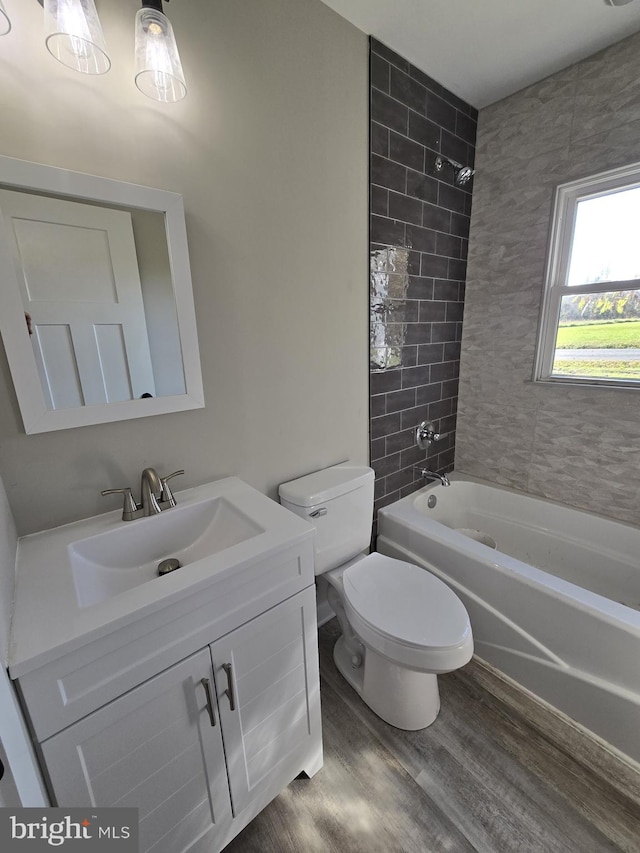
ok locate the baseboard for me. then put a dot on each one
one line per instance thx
(619, 771)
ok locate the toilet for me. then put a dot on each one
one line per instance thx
(401, 625)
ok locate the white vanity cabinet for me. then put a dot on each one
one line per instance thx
(200, 748)
(193, 697)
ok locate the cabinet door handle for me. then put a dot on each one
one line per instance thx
(230, 694)
(210, 706)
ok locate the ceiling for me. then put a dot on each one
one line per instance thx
(484, 50)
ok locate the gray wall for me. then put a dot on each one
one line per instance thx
(269, 150)
(577, 445)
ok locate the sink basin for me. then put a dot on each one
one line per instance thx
(95, 583)
(115, 561)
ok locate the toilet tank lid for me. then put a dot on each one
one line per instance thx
(322, 486)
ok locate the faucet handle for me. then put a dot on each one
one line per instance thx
(426, 434)
(130, 507)
(166, 496)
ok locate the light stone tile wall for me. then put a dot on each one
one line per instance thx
(577, 445)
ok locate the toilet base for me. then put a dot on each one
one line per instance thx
(402, 697)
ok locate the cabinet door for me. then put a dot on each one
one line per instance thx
(154, 749)
(268, 693)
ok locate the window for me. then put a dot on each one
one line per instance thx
(590, 323)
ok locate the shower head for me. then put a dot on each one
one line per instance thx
(462, 174)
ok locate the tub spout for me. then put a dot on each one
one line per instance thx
(433, 475)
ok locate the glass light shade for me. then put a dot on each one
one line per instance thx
(73, 35)
(158, 68)
(5, 23)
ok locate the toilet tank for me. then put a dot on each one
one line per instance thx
(338, 501)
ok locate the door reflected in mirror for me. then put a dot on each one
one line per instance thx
(100, 275)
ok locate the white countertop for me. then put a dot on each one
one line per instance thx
(47, 619)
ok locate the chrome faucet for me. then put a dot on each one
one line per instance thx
(155, 492)
(433, 475)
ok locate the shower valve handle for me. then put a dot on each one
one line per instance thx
(426, 434)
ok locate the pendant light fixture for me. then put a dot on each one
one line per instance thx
(73, 35)
(5, 23)
(158, 71)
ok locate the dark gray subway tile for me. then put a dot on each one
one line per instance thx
(434, 266)
(428, 394)
(451, 351)
(455, 310)
(444, 370)
(446, 290)
(419, 333)
(379, 139)
(377, 405)
(385, 381)
(431, 353)
(415, 207)
(421, 186)
(426, 81)
(389, 231)
(447, 244)
(412, 417)
(421, 239)
(389, 112)
(385, 173)
(380, 73)
(460, 225)
(420, 287)
(409, 356)
(457, 269)
(378, 448)
(400, 441)
(455, 148)
(439, 409)
(432, 312)
(396, 481)
(398, 401)
(414, 376)
(412, 456)
(405, 208)
(405, 151)
(451, 197)
(386, 465)
(388, 54)
(385, 425)
(379, 200)
(408, 90)
(437, 218)
(450, 387)
(425, 132)
(378, 490)
(385, 499)
(439, 111)
(466, 127)
(443, 332)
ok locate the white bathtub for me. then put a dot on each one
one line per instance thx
(556, 605)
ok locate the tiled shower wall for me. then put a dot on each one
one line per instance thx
(419, 235)
(577, 445)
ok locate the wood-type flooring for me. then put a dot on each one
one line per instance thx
(479, 779)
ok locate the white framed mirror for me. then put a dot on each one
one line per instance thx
(96, 303)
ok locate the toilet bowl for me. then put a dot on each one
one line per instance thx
(401, 625)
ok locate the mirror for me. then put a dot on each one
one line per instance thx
(96, 304)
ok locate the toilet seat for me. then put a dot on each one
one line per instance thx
(407, 614)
